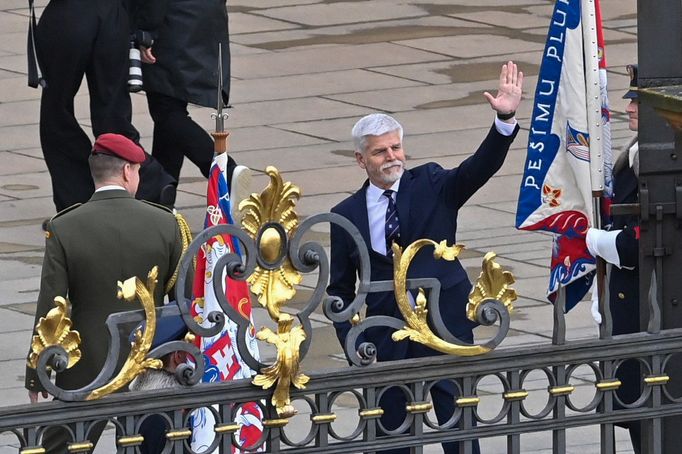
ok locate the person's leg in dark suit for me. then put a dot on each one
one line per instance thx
(443, 395)
(176, 135)
(56, 439)
(107, 73)
(64, 41)
(393, 403)
(153, 429)
(110, 104)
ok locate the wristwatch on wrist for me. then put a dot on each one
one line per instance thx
(506, 116)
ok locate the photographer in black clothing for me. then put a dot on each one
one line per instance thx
(76, 38)
(179, 43)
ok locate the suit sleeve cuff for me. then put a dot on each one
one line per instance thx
(506, 129)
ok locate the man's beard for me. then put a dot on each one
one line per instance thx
(392, 177)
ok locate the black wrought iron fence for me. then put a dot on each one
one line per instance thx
(509, 366)
(273, 245)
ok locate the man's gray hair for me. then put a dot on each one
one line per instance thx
(375, 124)
(104, 167)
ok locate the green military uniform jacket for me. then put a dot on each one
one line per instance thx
(89, 248)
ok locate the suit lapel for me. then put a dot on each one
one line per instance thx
(403, 204)
(362, 221)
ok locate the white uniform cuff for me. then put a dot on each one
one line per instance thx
(602, 243)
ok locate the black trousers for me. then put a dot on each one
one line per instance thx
(56, 439)
(77, 38)
(443, 393)
(176, 135)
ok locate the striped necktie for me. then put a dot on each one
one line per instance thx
(392, 226)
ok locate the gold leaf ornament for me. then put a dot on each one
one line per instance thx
(493, 284)
(417, 327)
(285, 371)
(130, 290)
(263, 215)
(55, 329)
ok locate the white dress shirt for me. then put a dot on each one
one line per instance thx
(109, 187)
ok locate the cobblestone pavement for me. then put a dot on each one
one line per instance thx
(303, 72)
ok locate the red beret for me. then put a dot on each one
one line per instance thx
(119, 146)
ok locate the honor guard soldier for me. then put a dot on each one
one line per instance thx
(619, 247)
(90, 247)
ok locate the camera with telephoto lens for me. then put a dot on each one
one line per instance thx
(135, 69)
(139, 38)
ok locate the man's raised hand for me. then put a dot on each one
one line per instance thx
(509, 92)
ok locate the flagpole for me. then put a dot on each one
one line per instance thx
(225, 361)
(595, 131)
(594, 123)
(220, 135)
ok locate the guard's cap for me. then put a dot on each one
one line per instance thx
(168, 328)
(632, 92)
(119, 146)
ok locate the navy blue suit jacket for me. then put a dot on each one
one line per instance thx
(428, 200)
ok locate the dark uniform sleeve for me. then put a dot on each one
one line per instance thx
(463, 181)
(53, 283)
(627, 246)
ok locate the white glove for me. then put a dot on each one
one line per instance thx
(602, 243)
(594, 309)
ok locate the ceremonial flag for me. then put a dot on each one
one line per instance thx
(565, 164)
(221, 356)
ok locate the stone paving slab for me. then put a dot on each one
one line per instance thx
(316, 60)
(510, 19)
(292, 110)
(15, 89)
(14, 163)
(345, 12)
(361, 33)
(26, 186)
(319, 84)
(23, 136)
(467, 46)
(264, 137)
(253, 24)
(415, 122)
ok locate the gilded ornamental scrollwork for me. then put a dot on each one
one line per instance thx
(55, 346)
(55, 330)
(274, 257)
(492, 286)
(137, 360)
(270, 218)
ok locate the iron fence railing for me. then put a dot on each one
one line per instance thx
(510, 366)
(274, 252)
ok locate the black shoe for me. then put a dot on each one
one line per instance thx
(167, 196)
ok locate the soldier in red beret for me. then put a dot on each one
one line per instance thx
(90, 247)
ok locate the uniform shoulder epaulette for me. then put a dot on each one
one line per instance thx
(65, 210)
(48, 230)
(157, 205)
